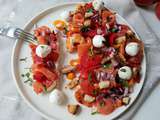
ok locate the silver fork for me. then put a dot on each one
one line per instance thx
(18, 33)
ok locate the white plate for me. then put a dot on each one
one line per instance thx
(40, 103)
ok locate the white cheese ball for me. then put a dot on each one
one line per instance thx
(98, 41)
(132, 48)
(125, 73)
(65, 15)
(98, 4)
(43, 50)
(56, 97)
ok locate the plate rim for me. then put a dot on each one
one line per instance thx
(14, 54)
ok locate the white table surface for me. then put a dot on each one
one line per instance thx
(20, 11)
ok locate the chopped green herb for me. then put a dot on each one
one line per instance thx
(95, 92)
(27, 74)
(42, 47)
(23, 59)
(114, 30)
(84, 29)
(22, 75)
(91, 53)
(125, 83)
(90, 76)
(123, 70)
(90, 10)
(102, 103)
(93, 113)
(28, 80)
(107, 65)
(30, 69)
(45, 88)
(65, 30)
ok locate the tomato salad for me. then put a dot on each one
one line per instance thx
(109, 57)
(44, 55)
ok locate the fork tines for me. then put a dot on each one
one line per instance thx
(21, 34)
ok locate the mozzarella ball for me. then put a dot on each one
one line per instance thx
(132, 48)
(125, 73)
(98, 4)
(43, 50)
(56, 97)
(65, 15)
(98, 41)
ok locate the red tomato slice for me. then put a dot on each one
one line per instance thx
(91, 33)
(88, 5)
(89, 63)
(87, 88)
(46, 72)
(79, 95)
(83, 48)
(36, 59)
(78, 19)
(108, 17)
(106, 107)
(39, 77)
(47, 83)
(112, 38)
(38, 87)
(53, 56)
(41, 40)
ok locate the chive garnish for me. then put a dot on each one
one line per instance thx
(23, 59)
(93, 113)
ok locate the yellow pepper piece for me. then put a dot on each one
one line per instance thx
(59, 24)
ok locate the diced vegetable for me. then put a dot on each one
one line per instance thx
(105, 107)
(59, 24)
(104, 84)
(89, 98)
(73, 109)
(73, 83)
(83, 48)
(67, 69)
(74, 62)
(71, 75)
(126, 100)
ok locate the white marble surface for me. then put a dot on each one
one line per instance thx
(19, 12)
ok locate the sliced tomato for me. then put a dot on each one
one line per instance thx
(123, 29)
(39, 77)
(112, 38)
(83, 48)
(78, 19)
(52, 37)
(73, 28)
(47, 83)
(79, 95)
(87, 87)
(38, 87)
(91, 33)
(88, 6)
(108, 17)
(89, 62)
(50, 75)
(53, 56)
(42, 31)
(105, 106)
(42, 40)
(36, 59)
(33, 47)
